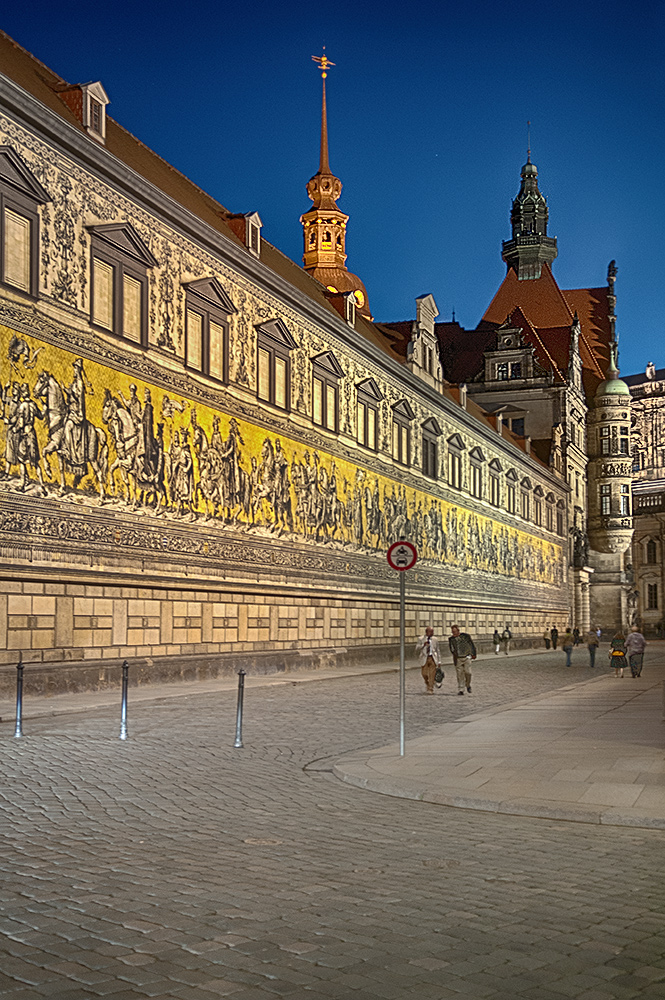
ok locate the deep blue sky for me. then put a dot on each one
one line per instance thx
(428, 105)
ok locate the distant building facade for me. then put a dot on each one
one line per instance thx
(206, 449)
(540, 361)
(648, 488)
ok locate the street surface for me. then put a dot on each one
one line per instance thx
(175, 866)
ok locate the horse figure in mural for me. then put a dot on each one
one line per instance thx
(125, 436)
(75, 441)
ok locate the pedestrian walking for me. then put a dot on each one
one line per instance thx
(554, 636)
(599, 632)
(506, 637)
(430, 659)
(593, 643)
(547, 639)
(618, 653)
(635, 646)
(576, 636)
(496, 639)
(567, 643)
(464, 651)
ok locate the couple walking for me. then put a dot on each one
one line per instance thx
(463, 651)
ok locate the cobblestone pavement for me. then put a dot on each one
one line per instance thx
(174, 866)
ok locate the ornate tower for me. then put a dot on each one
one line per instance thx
(610, 520)
(324, 225)
(530, 246)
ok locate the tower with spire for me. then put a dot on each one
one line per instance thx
(530, 246)
(324, 225)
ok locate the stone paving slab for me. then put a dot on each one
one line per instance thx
(591, 753)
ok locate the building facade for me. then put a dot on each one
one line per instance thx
(207, 449)
(648, 489)
(536, 362)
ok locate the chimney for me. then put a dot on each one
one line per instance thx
(462, 395)
(499, 424)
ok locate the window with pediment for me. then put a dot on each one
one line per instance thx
(525, 500)
(549, 512)
(274, 346)
(538, 495)
(495, 470)
(511, 491)
(367, 413)
(455, 452)
(207, 311)
(560, 517)
(476, 465)
(119, 285)
(326, 373)
(402, 417)
(431, 432)
(21, 194)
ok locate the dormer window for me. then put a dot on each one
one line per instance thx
(94, 109)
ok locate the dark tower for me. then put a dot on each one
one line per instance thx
(530, 246)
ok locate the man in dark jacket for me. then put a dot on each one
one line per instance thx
(554, 635)
(463, 650)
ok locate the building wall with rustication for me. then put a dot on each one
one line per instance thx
(263, 537)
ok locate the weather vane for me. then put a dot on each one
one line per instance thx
(323, 62)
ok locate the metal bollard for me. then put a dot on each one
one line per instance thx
(123, 706)
(19, 697)
(241, 693)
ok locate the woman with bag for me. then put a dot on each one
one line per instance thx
(618, 653)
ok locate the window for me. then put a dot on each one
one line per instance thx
(455, 448)
(495, 490)
(402, 417)
(516, 369)
(652, 553)
(431, 433)
(207, 309)
(559, 518)
(525, 505)
(511, 491)
(273, 380)
(517, 426)
(652, 596)
(367, 413)
(119, 294)
(502, 371)
(605, 498)
(604, 440)
(625, 500)
(476, 459)
(326, 373)
(525, 498)
(20, 197)
(549, 512)
(538, 510)
(624, 440)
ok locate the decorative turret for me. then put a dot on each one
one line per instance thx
(530, 246)
(324, 225)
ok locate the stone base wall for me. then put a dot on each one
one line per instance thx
(78, 634)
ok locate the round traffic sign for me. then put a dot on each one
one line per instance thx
(402, 556)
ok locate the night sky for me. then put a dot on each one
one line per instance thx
(428, 105)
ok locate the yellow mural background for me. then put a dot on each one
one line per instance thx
(472, 541)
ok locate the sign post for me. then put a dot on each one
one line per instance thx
(402, 556)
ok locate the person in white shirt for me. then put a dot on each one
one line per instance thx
(430, 660)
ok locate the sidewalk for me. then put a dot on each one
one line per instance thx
(38, 706)
(590, 753)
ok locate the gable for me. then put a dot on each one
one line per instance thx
(15, 173)
(123, 237)
(477, 454)
(432, 427)
(277, 331)
(403, 409)
(329, 363)
(369, 388)
(455, 441)
(212, 292)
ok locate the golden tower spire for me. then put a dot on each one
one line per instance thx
(324, 225)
